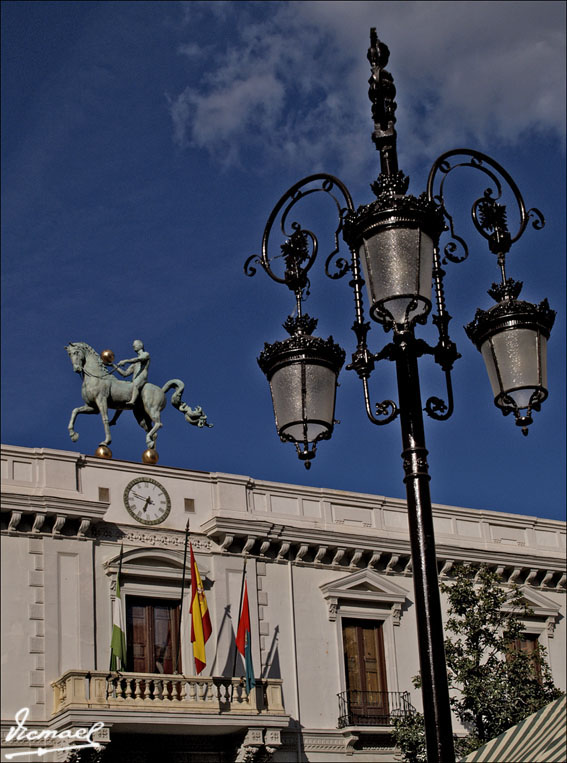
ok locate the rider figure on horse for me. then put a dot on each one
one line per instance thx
(139, 368)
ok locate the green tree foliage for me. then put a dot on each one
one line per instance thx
(495, 684)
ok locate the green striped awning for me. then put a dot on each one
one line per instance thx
(539, 738)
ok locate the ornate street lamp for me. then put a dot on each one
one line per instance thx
(394, 249)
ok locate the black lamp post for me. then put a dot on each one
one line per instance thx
(395, 239)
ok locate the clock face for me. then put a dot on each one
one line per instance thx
(147, 501)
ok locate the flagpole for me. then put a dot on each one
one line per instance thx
(182, 591)
(119, 574)
(239, 612)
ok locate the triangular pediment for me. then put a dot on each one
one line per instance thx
(541, 605)
(365, 585)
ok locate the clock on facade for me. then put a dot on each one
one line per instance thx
(147, 501)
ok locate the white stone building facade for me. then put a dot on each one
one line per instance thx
(331, 604)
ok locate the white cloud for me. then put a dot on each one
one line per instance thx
(293, 79)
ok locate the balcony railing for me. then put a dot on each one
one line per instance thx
(97, 690)
(372, 708)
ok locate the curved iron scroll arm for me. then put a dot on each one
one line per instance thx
(296, 278)
(437, 408)
(386, 408)
(489, 217)
(445, 352)
(363, 362)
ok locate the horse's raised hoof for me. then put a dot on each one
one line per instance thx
(74, 436)
(103, 452)
(150, 456)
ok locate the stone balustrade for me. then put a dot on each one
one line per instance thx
(98, 690)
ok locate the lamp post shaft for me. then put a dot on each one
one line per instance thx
(435, 689)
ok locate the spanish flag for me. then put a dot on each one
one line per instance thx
(200, 620)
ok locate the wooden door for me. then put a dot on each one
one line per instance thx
(153, 628)
(365, 672)
(529, 645)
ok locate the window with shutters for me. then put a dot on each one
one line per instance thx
(367, 608)
(365, 669)
(152, 635)
(528, 644)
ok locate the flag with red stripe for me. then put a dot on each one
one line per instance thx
(244, 642)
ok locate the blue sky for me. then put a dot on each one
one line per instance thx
(144, 145)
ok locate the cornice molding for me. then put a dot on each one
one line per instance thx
(54, 504)
(346, 550)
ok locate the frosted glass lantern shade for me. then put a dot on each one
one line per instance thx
(302, 371)
(303, 395)
(397, 265)
(512, 337)
(516, 361)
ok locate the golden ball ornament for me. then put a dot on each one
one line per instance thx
(103, 452)
(150, 456)
(107, 357)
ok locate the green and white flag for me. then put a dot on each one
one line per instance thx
(118, 640)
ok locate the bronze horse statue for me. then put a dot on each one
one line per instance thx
(102, 391)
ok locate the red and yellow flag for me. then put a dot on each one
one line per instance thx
(200, 620)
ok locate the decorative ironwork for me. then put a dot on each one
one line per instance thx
(489, 217)
(295, 251)
(508, 313)
(382, 94)
(300, 324)
(395, 184)
(294, 347)
(507, 290)
(399, 306)
(372, 708)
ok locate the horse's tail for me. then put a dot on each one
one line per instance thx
(195, 416)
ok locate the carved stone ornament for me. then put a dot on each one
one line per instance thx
(333, 605)
(38, 523)
(396, 613)
(14, 521)
(59, 524)
(374, 559)
(265, 547)
(157, 539)
(340, 552)
(249, 544)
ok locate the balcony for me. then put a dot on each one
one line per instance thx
(372, 708)
(101, 691)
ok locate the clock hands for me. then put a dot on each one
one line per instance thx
(148, 501)
(143, 498)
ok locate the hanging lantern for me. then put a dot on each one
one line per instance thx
(302, 371)
(395, 237)
(512, 337)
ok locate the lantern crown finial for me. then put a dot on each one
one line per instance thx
(505, 291)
